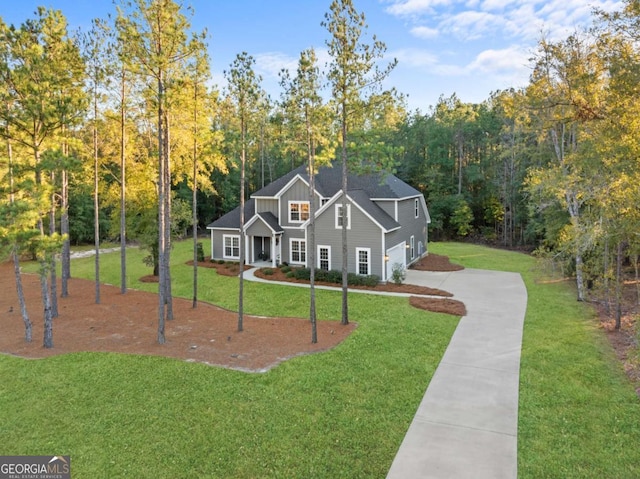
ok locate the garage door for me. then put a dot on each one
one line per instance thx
(396, 255)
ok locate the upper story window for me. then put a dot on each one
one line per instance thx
(298, 211)
(342, 215)
(417, 207)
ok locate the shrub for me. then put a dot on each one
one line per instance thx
(290, 274)
(199, 252)
(285, 268)
(334, 276)
(220, 261)
(354, 279)
(398, 273)
(321, 275)
(302, 273)
(267, 271)
(370, 280)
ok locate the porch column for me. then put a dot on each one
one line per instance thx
(273, 250)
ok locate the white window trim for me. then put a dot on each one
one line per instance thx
(301, 240)
(412, 246)
(337, 208)
(224, 246)
(417, 207)
(368, 251)
(327, 247)
(300, 221)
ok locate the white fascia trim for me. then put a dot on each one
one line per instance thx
(290, 184)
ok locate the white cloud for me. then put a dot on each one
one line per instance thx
(415, 7)
(415, 57)
(496, 61)
(424, 32)
(270, 64)
(471, 25)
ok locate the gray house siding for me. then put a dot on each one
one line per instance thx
(389, 207)
(299, 191)
(364, 233)
(412, 226)
(264, 205)
(217, 242)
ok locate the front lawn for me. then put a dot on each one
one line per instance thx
(342, 413)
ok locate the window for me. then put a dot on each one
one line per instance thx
(363, 265)
(231, 246)
(298, 252)
(298, 211)
(417, 207)
(412, 247)
(340, 215)
(324, 257)
(324, 201)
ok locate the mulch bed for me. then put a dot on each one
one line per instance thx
(128, 324)
(436, 262)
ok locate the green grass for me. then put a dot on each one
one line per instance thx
(578, 413)
(342, 413)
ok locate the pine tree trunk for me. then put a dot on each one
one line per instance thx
(345, 220)
(54, 280)
(46, 301)
(194, 200)
(167, 221)
(20, 291)
(64, 229)
(241, 242)
(312, 240)
(123, 192)
(96, 206)
(619, 284)
(161, 216)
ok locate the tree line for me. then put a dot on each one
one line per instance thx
(119, 133)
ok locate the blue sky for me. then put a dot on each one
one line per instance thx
(469, 47)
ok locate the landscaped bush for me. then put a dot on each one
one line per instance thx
(370, 280)
(267, 271)
(199, 252)
(220, 261)
(285, 268)
(398, 273)
(321, 275)
(302, 273)
(290, 274)
(334, 276)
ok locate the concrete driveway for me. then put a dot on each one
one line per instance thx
(467, 423)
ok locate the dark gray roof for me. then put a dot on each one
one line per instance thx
(232, 218)
(361, 198)
(329, 182)
(271, 221)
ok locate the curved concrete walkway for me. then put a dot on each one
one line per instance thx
(467, 423)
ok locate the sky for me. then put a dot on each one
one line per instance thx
(469, 48)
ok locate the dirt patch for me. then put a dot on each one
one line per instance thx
(276, 274)
(128, 324)
(436, 262)
(624, 340)
(438, 305)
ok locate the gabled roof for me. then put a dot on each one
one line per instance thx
(328, 182)
(361, 199)
(268, 219)
(232, 219)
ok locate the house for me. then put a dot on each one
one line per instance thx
(386, 221)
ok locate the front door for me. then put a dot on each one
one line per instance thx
(261, 248)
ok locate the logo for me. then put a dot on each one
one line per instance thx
(35, 467)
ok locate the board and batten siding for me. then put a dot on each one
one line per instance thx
(364, 233)
(298, 191)
(264, 205)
